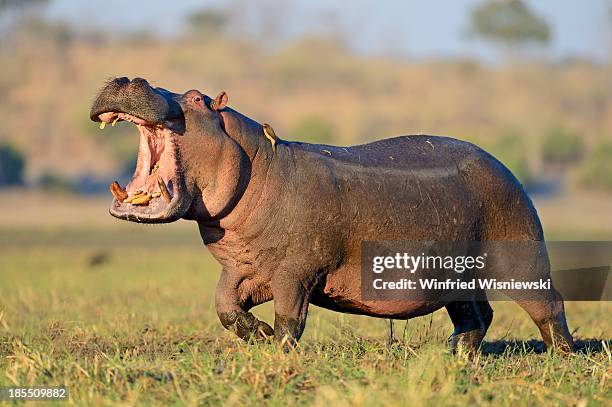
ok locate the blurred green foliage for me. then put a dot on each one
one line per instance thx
(509, 22)
(597, 168)
(58, 33)
(207, 21)
(12, 163)
(510, 149)
(53, 182)
(313, 129)
(5, 4)
(316, 87)
(560, 146)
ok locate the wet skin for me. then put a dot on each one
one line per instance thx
(286, 219)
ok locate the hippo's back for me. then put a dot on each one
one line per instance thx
(434, 183)
(417, 152)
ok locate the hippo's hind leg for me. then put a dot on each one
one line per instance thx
(471, 320)
(549, 315)
(544, 306)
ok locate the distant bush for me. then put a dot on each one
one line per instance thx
(596, 172)
(561, 146)
(54, 182)
(12, 164)
(511, 151)
(206, 22)
(313, 129)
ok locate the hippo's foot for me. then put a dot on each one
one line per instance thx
(556, 335)
(549, 315)
(264, 331)
(467, 342)
(287, 332)
(246, 326)
(471, 320)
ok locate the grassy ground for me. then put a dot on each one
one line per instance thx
(123, 314)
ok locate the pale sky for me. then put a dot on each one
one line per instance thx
(410, 28)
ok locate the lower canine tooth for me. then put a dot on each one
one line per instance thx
(102, 124)
(119, 193)
(114, 122)
(164, 190)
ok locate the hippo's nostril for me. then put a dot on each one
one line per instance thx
(121, 81)
(139, 82)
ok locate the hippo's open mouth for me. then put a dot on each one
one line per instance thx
(157, 192)
(154, 193)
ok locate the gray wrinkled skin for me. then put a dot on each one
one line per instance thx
(286, 224)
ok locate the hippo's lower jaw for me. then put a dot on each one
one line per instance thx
(156, 192)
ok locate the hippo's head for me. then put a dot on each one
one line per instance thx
(182, 154)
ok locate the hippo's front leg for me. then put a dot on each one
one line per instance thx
(232, 313)
(291, 299)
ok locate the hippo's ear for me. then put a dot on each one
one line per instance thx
(219, 102)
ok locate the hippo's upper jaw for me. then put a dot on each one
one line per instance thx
(156, 193)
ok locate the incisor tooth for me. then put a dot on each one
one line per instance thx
(115, 122)
(136, 194)
(164, 190)
(141, 200)
(102, 125)
(155, 194)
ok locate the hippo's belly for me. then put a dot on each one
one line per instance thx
(341, 291)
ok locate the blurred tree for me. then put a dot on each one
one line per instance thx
(12, 12)
(509, 23)
(53, 182)
(37, 28)
(12, 163)
(560, 146)
(207, 22)
(20, 4)
(511, 151)
(597, 169)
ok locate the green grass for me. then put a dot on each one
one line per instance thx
(126, 316)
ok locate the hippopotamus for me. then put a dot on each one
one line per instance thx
(285, 219)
